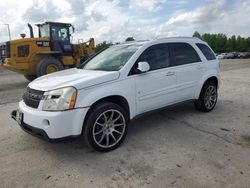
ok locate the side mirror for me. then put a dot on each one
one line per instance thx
(143, 66)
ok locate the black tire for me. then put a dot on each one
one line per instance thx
(43, 65)
(30, 77)
(202, 103)
(94, 120)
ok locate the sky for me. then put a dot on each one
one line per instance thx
(115, 20)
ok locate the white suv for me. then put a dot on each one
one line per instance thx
(118, 84)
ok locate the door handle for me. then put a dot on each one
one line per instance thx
(170, 74)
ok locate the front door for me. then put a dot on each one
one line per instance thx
(155, 88)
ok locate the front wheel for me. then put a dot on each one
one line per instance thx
(105, 127)
(208, 97)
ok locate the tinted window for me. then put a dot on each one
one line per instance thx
(184, 53)
(207, 52)
(157, 56)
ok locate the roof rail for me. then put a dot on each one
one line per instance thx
(131, 42)
(141, 41)
(178, 37)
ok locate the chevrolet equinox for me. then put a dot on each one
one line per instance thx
(99, 99)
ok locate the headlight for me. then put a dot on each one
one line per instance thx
(60, 99)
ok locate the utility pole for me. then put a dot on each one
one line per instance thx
(8, 25)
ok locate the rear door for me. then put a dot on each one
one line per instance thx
(155, 88)
(189, 69)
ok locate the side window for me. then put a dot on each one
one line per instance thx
(157, 56)
(59, 32)
(207, 52)
(184, 53)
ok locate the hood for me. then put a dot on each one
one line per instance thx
(28, 40)
(78, 78)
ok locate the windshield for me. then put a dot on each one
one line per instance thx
(112, 59)
(44, 30)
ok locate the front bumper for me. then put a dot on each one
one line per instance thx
(52, 126)
(33, 130)
(11, 64)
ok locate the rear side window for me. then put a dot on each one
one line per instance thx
(157, 56)
(184, 53)
(207, 52)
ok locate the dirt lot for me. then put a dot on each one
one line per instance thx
(177, 147)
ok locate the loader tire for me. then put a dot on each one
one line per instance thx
(48, 65)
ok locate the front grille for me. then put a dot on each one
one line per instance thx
(32, 97)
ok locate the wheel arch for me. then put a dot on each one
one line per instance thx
(117, 99)
(212, 78)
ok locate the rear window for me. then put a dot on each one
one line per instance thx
(184, 53)
(207, 52)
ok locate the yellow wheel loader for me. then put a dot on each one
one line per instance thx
(50, 52)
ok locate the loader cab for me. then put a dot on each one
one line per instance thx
(59, 35)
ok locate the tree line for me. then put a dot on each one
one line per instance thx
(221, 43)
(106, 44)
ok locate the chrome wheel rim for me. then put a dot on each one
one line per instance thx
(210, 97)
(109, 128)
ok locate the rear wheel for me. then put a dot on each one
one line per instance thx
(106, 127)
(48, 65)
(208, 97)
(30, 77)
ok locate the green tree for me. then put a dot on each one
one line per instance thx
(241, 44)
(229, 45)
(103, 45)
(221, 42)
(211, 40)
(197, 35)
(130, 39)
(233, 38)
(248, 44)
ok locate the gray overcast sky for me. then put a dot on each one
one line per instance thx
(114, 20)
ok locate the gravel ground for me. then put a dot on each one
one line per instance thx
(177, 147)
